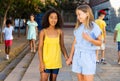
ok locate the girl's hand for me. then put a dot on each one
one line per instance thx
(86, 36)
(42, 67)
(69, 61)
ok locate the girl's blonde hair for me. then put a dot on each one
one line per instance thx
(86, 9)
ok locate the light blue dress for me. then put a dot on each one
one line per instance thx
(84, 59)
(31, 30)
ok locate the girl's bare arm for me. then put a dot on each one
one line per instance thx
(62, 45)
(72, 49)
(69, 61)
(40, 50)
(96, 42)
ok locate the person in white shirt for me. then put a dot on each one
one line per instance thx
(8, 37)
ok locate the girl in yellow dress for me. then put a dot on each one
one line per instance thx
(51, 44)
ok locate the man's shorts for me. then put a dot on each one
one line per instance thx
(51, 71)
(102, 47)
(8, 42)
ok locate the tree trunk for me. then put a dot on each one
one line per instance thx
(4, 20)
(0, 26)
(3, 24)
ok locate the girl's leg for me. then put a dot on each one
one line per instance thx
(8, 50)
(88, 77)
(34, 46)
(44, 76)
(30, 43)
(80, 77)
(53, 77)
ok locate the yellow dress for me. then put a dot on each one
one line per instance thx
(52, 52)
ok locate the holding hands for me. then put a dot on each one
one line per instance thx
(69, 61)
(42, 67)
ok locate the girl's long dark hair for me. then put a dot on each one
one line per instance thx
(45, 21)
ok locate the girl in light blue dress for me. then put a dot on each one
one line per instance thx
(87, 36)
(32, 32)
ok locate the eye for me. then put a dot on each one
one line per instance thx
(55, 17)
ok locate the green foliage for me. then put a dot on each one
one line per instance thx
(3, 6)
(50, 5)
(22, 8)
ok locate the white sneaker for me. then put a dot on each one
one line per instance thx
(34, 51)
(31, 50)
(7, 57)
(97, 62)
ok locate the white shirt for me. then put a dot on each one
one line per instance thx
(8, 33)
(16, 22)
(19, 22)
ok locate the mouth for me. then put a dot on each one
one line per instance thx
(53, 22)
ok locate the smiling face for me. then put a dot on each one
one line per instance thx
(53, 18)
(81, 16)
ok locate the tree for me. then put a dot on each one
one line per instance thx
(4, 8)
(17, 9)
(22, 9)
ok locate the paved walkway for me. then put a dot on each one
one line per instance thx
(18, 45)
(108, 72)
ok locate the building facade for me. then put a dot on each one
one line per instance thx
(70, 15)
(112, 8)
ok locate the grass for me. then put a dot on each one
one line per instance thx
(13, 54)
